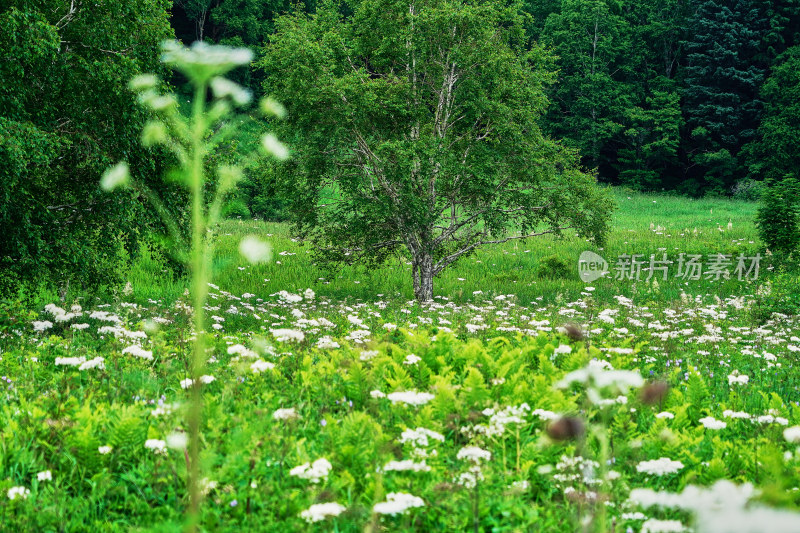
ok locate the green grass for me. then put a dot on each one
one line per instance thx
(680, 225)
(474, 357)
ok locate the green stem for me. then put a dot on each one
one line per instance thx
(603, 489)
(199, 295)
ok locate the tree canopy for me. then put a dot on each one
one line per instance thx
(414, 127)
(66, 114)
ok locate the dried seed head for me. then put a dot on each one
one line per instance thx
(566, 428)
(574, 332)
(654, 392)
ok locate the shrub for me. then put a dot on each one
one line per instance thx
(553, 267)
(748, 189)
(778, 296)
(777, 218)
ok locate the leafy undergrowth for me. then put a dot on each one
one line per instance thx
(445, 417)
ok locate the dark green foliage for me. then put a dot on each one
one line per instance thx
(779, 215)
(262, 196)
(65, 114)
(664, 94)
(591, 40)
(723, 77)
(774, 155)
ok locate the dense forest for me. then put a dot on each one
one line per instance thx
(693, 96)
(686, 95)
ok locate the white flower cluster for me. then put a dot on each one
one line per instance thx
(260, 366)
(81, 362)
(710, 422)
(321, 511)
(18, 492)
(367, 355)
(792, 434)
(407, 465)
(288, 335)
(470, 478)
(722, 508)
(768, 418)
(575, 471)
(313, 472)
(158, 446)
(61, 315)
(545, 415)
(327, 343)
(41, 325)
(410, 397)
(398, 503)
(474, 454)
(288, 413)
(241, 351)
(738, 379)
(597, 378)
(137, 351)
(513, 414)
(205, 380)
(659, 467)
(420, 439)
(412, 359)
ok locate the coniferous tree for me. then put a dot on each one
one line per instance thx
(722, 107)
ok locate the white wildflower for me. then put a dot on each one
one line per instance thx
(321, 511)
(158, 446)
(314, 472)
(659, 467)
(255, 250)
(410, 397)
(18, 492)
(710, 422)
(260, 366)
(138, 351)
(398, 503)
(287, 413)
(474, 454)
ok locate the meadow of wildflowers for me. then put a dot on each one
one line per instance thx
(490, 414)
(262, 396)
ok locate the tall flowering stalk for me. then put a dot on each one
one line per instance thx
(192, 140)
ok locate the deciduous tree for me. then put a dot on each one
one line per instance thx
(417, 132)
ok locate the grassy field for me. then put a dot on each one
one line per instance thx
(642, 224)
(512, 403)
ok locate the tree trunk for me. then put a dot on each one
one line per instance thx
(423, 278)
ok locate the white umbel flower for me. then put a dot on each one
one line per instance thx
(659, 467)
(398, 503)
(313, 472)
(474, 454)
(321, 511)
(410, 397)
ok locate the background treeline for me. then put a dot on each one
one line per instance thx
(692, 96)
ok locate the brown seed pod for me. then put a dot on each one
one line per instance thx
(566, 428)
(574, 332)
(654, 392)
